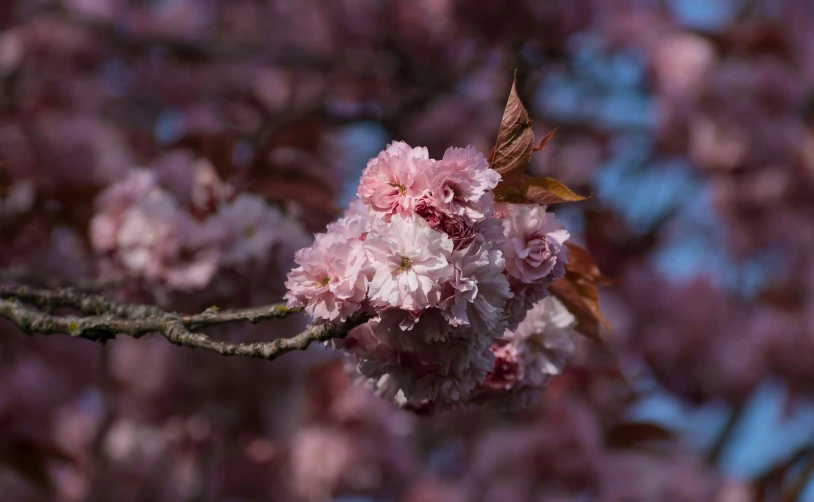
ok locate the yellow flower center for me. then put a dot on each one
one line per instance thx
(405, 264)
(324, 282)
(402, 188)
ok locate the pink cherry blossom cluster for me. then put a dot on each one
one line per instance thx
(444, 274)
(145, 230)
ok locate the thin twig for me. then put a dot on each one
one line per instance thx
(88, 304)
(104, 320)
(22, 275)
(723, 438)
(794, 490)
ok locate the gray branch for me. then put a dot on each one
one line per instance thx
(104, 319)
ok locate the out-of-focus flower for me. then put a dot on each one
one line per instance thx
(11, 51)
(152, 238)
(18, 200)
(244, 231)
(508, 368)
(544, 340)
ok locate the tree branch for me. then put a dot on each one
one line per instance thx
(88, 304)
(103, 320)
(725, 435)
(794, 490)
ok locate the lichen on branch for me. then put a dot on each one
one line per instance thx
(101, 320)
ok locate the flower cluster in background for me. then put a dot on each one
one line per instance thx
(445, 276)
(178, 231)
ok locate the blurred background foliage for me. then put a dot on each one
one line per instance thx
(689, 120)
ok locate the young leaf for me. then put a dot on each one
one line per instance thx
(525, 190)
(581, 262)
(543, 142)
(515, 139)
(512, 153)
(581, 297)
(548, 191)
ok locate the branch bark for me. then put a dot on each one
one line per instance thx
(30, 310)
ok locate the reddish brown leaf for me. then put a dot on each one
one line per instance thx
(548, 191)
(509, 194)
(590, 296)
(581, 297)
(523, 189)
(789, 297)
(581, 262)
(543, 142)
(515, 139)
(512, 153)
(633, 434)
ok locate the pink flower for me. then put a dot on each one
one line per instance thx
(331, 281)
(454, 226)
(153, 237)
(419, 361)
(355, 223)
(500, 210)
(356, 208)
(245, 231)
(507, 370)
(411, 260)
(411, 332)
(393, 180)
(425, 208)
(462, 366)
(534, 248)
(543, 340)
(460, 183)
(480, 290)
(355, 226)
(523, 299)
(112, 204)
(440, 289)
(458, 230)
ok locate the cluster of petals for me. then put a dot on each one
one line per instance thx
(423, 256)
(535, 243)
(331, 280)
(544, 340)
(527, 357)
